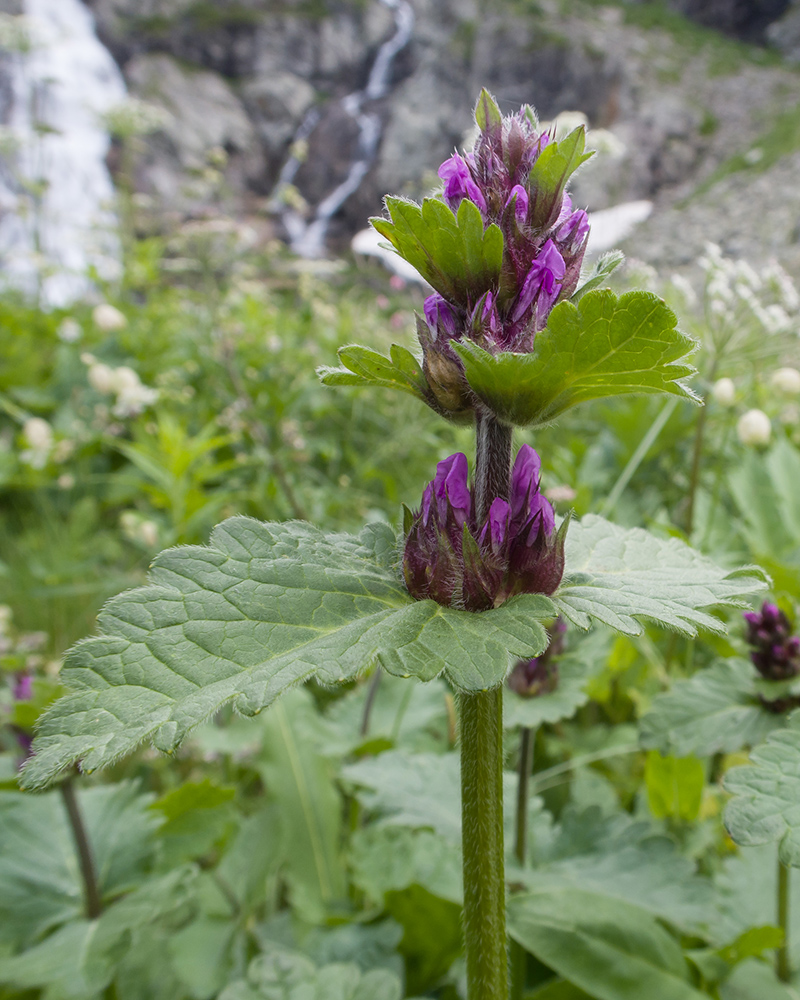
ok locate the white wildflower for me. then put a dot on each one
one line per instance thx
(38, 433)
(787, 381)
(102, 378)
(108, 317)
(724, 392)
(69, 331)
(754, 428)
(684, 288)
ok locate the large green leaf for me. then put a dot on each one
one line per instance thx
(611, 949)
(241, 620)
(452, 252)
(622, 858)
(603, 346)
(617, 575)
(715, 711)
(766, 795)
(78, 960)
(40, 881)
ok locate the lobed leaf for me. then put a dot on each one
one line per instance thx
(261, 608)
(618, 575)
(362, 366)
(715, 711)
(452, 252)
(766, 795)
(603, 346)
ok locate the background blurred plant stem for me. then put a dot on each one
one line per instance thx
(697, 453)
(517, 952)
(783, 967)
(481, 731)
(94, 906)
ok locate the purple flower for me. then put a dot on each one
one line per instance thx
(440, 316)
(452, 559)
(519, 197)
(23, 689)
(531, 678)
(776, 652)
(459, 184)
(541, 287)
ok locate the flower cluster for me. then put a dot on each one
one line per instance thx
(776, 652)
(544, 240)
(453, 559)
(539, 675)
(132, 396)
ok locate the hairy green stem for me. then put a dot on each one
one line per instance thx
(481, 732)
(481, 728)
(782, 965)
(517, 952)
(94, 905)
(372, 692)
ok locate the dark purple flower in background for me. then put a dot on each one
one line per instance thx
(453, 560)
(23, 688)
(539, 675)
(776, 652)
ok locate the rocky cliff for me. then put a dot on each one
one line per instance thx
(709, 123)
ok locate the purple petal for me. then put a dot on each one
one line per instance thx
(496, 527)
(524, 479)
(542, 283)
(519, 193)
(459, 184)
(450, 486)
(23, 689)
(440, 316)
(575, 229)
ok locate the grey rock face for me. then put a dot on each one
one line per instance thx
(205, 116)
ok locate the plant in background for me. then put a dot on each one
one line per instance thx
(513, 336)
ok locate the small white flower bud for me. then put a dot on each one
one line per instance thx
(38, 433)
(102, 378)
(754, 428)
(724, 392)
(108, 317)
(787, 381)
(69, 331)
(125, 379)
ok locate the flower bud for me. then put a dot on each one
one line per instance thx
(451, 558)
(108, 317)
(787, 381)
(754, 428)
(723, 392)
(38, 433)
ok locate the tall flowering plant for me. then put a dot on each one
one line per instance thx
(513, 333)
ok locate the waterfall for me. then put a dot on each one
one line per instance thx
(307, 237)
(57, 218)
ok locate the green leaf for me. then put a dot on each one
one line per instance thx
(754, 980)
(766, 793)
(416, 790)
(603, 346)
(611, 949)
(715, 711)
(674, 786)
(487, 113)
(40, 882)
(392, 858)
(453, 253)
(77, 961)
(197, 815)
(622, 858)
(261, 608)
(554, 166)
(363, 366)
(603, 267)
(618, 575)
(285, 975)
(300, 783)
